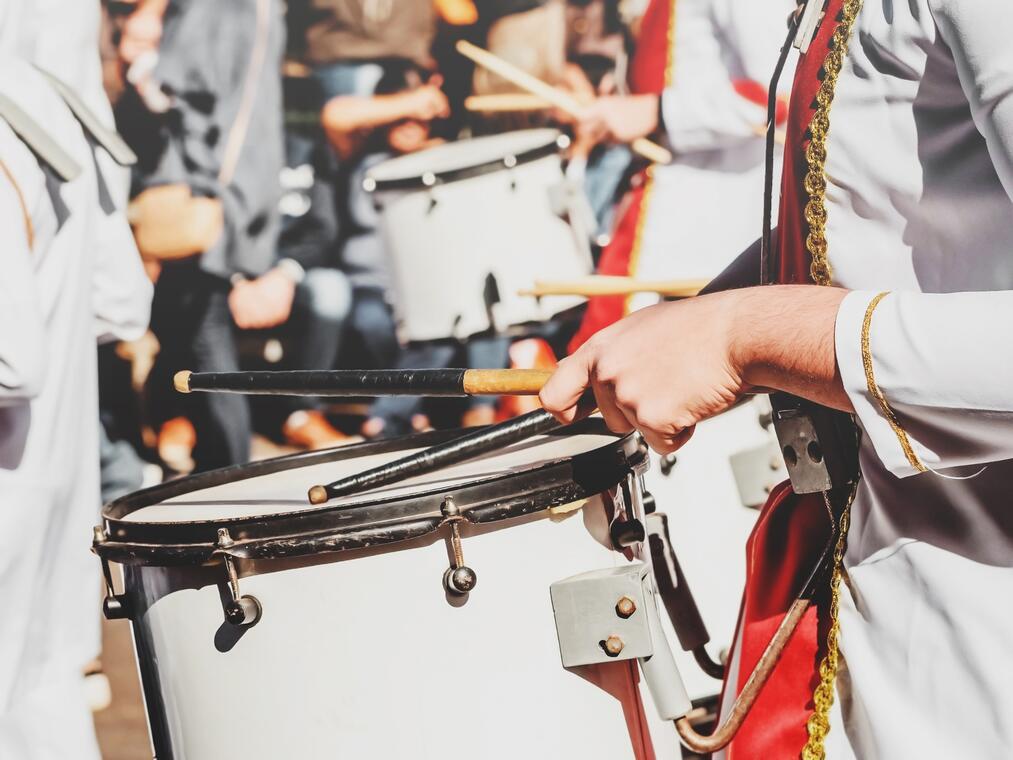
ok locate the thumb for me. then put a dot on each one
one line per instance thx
(559, 396)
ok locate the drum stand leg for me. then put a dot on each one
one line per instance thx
(114, 606)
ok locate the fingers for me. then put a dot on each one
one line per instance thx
(560, 394)
(616, 418)
(667, 442)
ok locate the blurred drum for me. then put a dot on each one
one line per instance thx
(266, 628)
(469, 224)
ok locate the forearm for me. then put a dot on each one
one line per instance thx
(783, 339)
(349, 113)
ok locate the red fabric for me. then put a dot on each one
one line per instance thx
(792, 530)
(648, 74)
(615, 260)
(783, 549)
(648, 68)
(756, 93)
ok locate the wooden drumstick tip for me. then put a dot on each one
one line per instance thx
(318, 495)
(181, 381)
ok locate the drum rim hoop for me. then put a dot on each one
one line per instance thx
(329, 529)
(448, 176)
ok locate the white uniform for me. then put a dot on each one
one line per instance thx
(920, 178)
(707, 205)
(80, 279)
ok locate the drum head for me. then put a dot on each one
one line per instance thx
(264, 505)
(463, 159)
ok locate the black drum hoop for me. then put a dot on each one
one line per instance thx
(374, 522)
(432, 179)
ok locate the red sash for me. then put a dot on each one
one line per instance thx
(791, 530)
(648, 74)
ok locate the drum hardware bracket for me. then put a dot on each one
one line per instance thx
(459, 579)
(612, 614)
(820, 445)
(114, 606)
(676, 596)
(626, 528)
(240, 610)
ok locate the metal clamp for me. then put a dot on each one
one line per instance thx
(459, 579)
(114, 606)
(627, 528)
(240, 610)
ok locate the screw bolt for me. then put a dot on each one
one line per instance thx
(614, 646)
(625, 607)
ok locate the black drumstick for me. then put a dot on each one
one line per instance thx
(356, 382)
(442, 455)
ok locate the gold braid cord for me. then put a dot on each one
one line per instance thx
(815, 184)
(873, 386)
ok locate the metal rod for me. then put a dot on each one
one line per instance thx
(351, 382)
(443, 455)
(724, 733)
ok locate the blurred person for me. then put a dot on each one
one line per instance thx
(698, 77)
(220, 162)
(346, 42)
(71, 274)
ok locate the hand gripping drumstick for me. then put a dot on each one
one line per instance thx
(355, 382)
(553, 95)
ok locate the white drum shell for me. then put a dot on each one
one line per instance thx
(362, 654)
(444, 241)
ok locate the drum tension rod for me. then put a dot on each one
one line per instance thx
(459, 578)
(114, 606)
(239, 610)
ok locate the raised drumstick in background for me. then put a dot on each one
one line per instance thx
(608, 285)
(552, 95)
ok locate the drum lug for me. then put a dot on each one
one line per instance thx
(459, 579)
(627, 527)
(240, 610)
(114, 606)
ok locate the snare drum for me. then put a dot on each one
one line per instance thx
(468, 224)
(355, 648)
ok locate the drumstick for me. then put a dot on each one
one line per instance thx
(355, 382)
(512, 101)
(453, 452)
(553, 95)
(608, 285)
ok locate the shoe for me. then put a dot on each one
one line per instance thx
(176, 440)
(309, 429)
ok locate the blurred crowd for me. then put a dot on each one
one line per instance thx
(254, 122)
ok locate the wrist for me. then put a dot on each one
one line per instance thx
(782, 338)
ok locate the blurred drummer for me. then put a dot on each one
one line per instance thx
(698, 77)
(70, 273)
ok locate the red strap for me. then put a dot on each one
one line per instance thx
(756, 93)
(792, 530)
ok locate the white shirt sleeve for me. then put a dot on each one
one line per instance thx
(717, 42)
(22, 325)
(121, 291)
(978, 35)
(944, 364)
